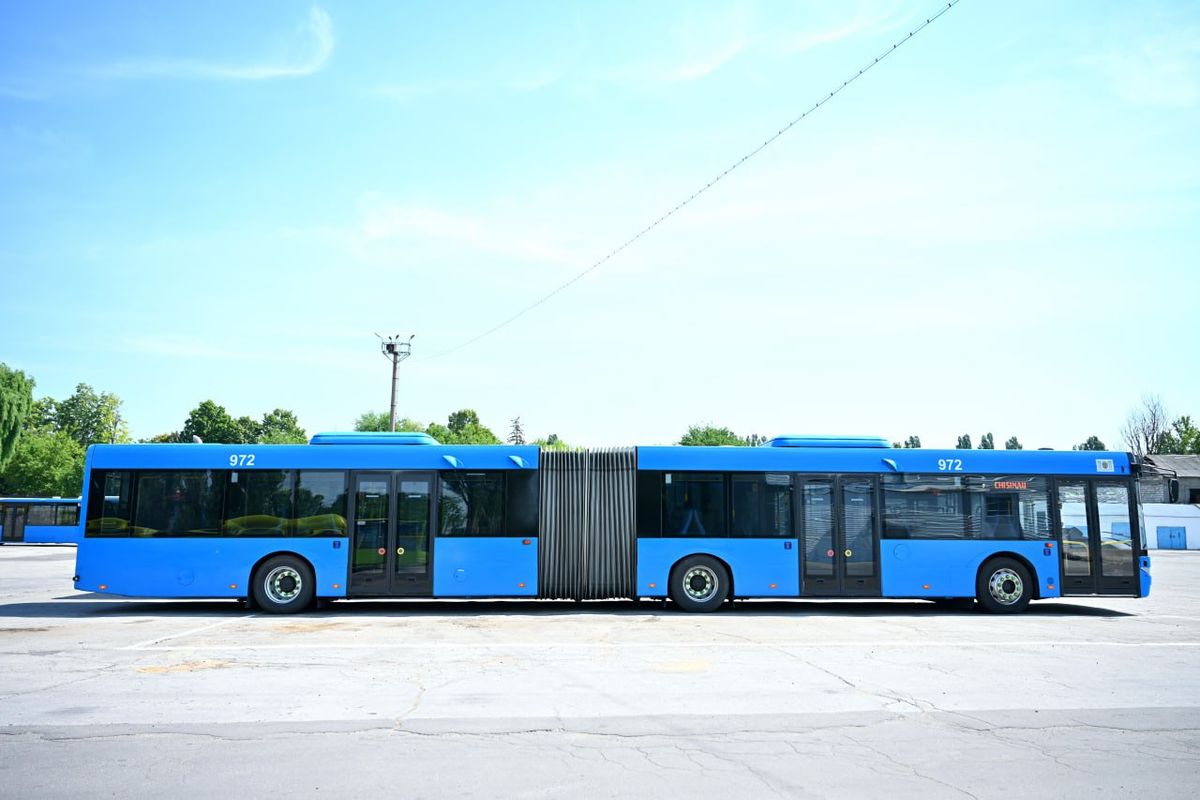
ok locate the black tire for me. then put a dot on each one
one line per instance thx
(699, 583)
(283, 585)
(1004, 586)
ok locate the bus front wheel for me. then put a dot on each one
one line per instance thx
(1004, 586)
(699, 583)
(284, 585)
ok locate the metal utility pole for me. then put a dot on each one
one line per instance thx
(395, 351)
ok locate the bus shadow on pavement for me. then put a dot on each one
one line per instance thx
(83, 606)
(94, 605)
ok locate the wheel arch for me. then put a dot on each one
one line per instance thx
(1020, 559)
(274, 553)
(702, 554)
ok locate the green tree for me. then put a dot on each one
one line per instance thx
(463, 427)
(1182, 438)
(281, 427)
(46, 463)
(89, 417)
(552, 442)
(16, 401)
(372, 421)
(913, 442)
(964, 442)
(986, 442)
(214, 425)
(516, 435)
(708, 435)
(43, 415)
(1013, 444)
(1092, 443)
(378, 421)
(754, 440)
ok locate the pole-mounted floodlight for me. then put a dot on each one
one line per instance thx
(395, 351)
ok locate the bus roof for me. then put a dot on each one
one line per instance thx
(878, 460)
(304, 456)
(366, 456)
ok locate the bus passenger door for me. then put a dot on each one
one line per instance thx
(1098, 551)
(840, 543)
(390, 547)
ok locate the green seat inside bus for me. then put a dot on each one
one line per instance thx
(320, 525)
(255, 525)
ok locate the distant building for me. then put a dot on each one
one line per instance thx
(1187, 472)
(1171, 526)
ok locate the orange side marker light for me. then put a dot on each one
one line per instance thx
(337, 586)
(520, 586)
(103, 586)
(653, 585)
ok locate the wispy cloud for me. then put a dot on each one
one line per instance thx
(386, 222)
(416, 90)
(1161, 70)
(869, 18)
(698, 46)
(307, 54)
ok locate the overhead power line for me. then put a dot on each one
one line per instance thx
(682, 204)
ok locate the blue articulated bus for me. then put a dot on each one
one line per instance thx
(39, 520)
(399, 515)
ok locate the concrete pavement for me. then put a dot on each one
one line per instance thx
(1080, 698)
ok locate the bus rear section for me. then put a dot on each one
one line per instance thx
(39, 520)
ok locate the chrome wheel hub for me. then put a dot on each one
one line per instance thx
(700, 584)
(1005, 587)
(283, 584)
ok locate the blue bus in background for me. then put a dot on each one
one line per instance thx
(399, 515)
(39, 520)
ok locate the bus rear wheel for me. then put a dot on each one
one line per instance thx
(283, 585)
(699, 583)
(1004, 586)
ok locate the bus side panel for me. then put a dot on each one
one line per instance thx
(485, 566)
(188, 567)
(761, 567)
(53, 534)
(942, 568)
(1144, 572)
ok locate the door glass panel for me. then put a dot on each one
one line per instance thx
(858, 522)
(370, 526)
(818, 528)
(1073, 527)
(412, 527)
(1116, 540)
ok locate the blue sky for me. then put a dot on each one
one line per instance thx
(996, 230)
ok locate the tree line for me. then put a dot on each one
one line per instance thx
(43, 442)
